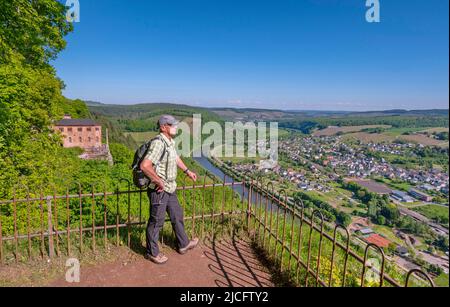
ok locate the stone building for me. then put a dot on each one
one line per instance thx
(85, 134)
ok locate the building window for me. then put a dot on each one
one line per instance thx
(97, 139)
(61, 129)
(80, 129)
(89, 139)
(88, 129)
(80, 139)
(70, 139)
(69, 129)
(97, 129)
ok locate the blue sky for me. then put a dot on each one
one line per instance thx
(299, 54)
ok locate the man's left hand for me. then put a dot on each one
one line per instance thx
(192, 175)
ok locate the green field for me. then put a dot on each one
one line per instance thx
(442, 280)
(396, 185)
(400, 131)
(434, 212)
(141, 137)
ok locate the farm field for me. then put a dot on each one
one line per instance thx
(423, 139)
(334, 130)
(395, 185)
(365, 137)
(435, 130)
(372, 186)
(400, 131)
(389, 137)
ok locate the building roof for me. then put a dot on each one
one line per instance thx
(366, 231)
(76, 122)
(399, 193)
(378, 240)
(415, 192)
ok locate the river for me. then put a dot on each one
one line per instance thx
(257, 197)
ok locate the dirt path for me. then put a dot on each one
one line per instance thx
(225, 263)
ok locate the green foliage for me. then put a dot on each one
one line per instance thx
(76, 108)
(330, 213)
(439, 214)
(306, 125)
(410, 225)
(143, 117)
(442, 243)
(379, 207)
(32, 32)
(442, 136)
(121, 154)
(115, 132)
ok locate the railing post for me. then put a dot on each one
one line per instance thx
(1, 238)
(249, 204)
(51, 248)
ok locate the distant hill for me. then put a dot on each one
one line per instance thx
(431, 112)
(142, 118)
(148, 112)
(267, 114)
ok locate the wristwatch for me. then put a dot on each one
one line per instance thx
(186, 171)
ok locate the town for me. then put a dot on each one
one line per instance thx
(316, 165)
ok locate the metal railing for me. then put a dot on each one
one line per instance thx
(282, 229)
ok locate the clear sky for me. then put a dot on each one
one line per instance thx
(299, 54)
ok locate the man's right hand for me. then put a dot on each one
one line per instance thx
(149, 171)
(159, 186)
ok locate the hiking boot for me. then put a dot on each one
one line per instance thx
(192, 244)
(160, 259)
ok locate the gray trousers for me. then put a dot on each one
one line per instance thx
(160, 203)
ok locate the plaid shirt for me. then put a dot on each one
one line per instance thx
(167, 168)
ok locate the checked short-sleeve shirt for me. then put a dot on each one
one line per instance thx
(167, 168)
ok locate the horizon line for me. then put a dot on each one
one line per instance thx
(263, 108)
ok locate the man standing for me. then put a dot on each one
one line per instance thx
(160, 165)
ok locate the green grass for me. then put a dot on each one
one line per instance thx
(283, 133)
(442, 280)
(141, 137)
(297, 274)
(434, 212)
(396, 185)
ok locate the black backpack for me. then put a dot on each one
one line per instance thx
(140, 180)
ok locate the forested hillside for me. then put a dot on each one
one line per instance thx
(31, 101)
(143, 117)
(30, 92)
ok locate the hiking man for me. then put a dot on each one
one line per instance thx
(160, 165)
